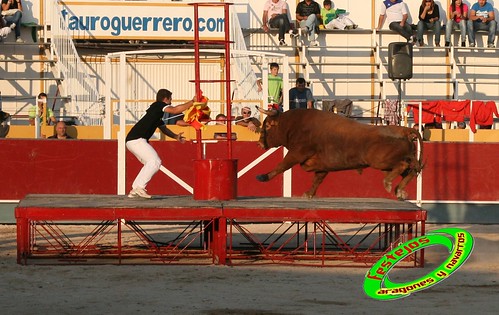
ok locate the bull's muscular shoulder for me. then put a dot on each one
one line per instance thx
(313, 120)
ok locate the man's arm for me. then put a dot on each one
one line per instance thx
(381, 21)
(265, 20)
(298, 13)
(404, 19)
(492, 16)
(310, 99)
(172, 134)
(179, 108)
(473, 16)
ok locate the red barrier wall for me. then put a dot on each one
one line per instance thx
(453, 171)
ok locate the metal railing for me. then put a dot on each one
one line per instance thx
(84, 100)
(245, 85)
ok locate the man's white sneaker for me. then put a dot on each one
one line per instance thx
(293, 33)
(12, 26)
(19, 40)
(139, 192)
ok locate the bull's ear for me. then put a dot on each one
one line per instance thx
(272, 112)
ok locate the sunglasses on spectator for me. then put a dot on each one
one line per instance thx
(246, 113)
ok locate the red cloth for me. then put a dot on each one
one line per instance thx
(481, 114)
(455, 110)
(431, 112)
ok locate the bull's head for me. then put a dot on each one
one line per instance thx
(270, 122)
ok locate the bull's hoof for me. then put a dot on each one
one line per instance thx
(262, 178)
(388, 186)
(307, 195)
(401, 194)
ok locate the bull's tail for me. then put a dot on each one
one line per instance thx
(415, 135)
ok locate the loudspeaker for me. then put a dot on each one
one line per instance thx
(400, 61)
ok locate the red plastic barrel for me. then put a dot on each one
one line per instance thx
(215, 179)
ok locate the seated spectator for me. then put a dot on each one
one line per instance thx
(12, 11)
(395, 13)
(300, 96)
(38, 110)
(429, 19)
(247, 120)
(4, 29)
(458, 14)
(220, 119)
(461, 125)
(60, 131)
(275, 14)
(308, 14)
(482, 17)
(335, 18)
(4, 126)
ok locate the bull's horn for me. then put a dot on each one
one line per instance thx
(271, 112)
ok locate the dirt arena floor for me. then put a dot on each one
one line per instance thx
(160, 289)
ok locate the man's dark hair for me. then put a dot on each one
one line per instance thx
(273, 65)
(162, 93)
(300, 81)
(42, 95)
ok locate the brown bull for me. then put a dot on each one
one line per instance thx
(323, 142)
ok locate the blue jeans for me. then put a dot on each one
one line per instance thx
(311, 22)
(281, 21)
(405, 31)
(435, 26)
(474, 26)
(16, 18)
(451, 25)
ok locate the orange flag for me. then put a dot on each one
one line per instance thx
(197, 112)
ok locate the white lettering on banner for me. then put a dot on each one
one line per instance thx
(154, 21)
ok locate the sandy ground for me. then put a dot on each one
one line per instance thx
(159, 289)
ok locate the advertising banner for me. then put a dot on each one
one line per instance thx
(141, 20)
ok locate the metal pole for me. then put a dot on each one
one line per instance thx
(197, 74)
(227, 79)
(400, 102)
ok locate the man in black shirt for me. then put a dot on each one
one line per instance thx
(308, 13)
(137, 140)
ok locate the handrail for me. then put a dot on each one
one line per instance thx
(242, 69)
(84, 100)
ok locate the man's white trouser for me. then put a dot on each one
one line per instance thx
(146, 154)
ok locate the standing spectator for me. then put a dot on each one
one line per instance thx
(274, 88)
(39, 109)
(482, 17)
(60, 131)
(300, 96)
(12, 10)
(458, 14)
(308, 13)
(395, 13)
(335, 18)
(429, 19)
(247, 120)
(137, 139)
(275, 14)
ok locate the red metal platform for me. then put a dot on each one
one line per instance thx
(180, 230)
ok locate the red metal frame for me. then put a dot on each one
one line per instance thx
(197, 81)
(213, 232)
